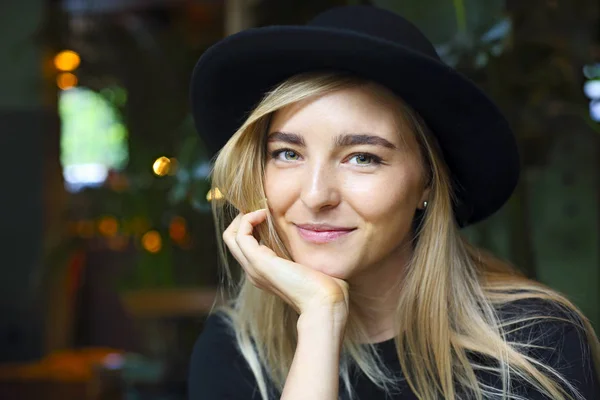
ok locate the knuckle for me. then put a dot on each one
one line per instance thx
(228, 240)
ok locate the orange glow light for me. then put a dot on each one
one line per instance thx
(108, 226)
(67, 60)
(177, 229)
(66, 80)
(152, 242)
(161, 166)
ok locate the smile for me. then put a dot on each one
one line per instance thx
(321, 235)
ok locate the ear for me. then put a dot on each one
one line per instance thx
(424, 198)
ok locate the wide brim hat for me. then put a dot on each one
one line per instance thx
(478, 146)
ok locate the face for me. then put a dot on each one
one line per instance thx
(343, 180)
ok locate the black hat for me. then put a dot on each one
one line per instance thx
(233, 75)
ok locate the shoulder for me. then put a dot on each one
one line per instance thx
(216, 339)
(217, 369)
(540, 313)
(555, 336)
(540, 321)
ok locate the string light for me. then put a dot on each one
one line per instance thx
(214, 195)
(161, 166)
(67, 60)
(178, 229)
(152, 242)
(108, 226)
(66, 80)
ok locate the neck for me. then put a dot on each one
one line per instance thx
(375, 294)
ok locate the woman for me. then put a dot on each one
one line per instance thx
(348, 158)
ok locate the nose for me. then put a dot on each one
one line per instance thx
(320, 188)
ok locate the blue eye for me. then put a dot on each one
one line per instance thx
(288, 155)
(365, 159)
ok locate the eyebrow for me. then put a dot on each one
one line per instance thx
(285, 137)
(363, 138)
(345, 140)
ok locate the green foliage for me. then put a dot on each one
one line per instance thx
(92, 131)
(443, 20)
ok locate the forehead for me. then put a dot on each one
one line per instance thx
(364, 108)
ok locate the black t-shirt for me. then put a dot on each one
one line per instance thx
(219, 372)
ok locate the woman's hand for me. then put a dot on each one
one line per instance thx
(302, 287)
(321, 301)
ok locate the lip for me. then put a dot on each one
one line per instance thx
(322, 233)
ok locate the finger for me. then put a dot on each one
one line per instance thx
(243, 228)
(246, 241)
(254, 217)
(237, 253)
(231, 230)
(229, 237)
(249, 221)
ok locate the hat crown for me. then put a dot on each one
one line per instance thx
(476, 140)
(378, 23)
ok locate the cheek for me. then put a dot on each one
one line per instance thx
(382, 198)
(279, 189)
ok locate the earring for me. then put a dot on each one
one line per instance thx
(424, 204)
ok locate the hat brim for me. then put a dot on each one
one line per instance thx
(478, 146)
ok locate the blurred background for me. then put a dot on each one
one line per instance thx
(109, 260)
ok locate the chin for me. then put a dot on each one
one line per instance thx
(332, 266)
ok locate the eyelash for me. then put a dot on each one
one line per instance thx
(374, 159)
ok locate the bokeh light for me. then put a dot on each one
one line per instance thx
(93, 139)
(595, 110)
(161, 166)
(108, 226)
(67, 60)
(152, 242)
(214, 195)
(592, 89)
(66, 80)
(178, 229)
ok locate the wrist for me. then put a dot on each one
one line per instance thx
(323, 319)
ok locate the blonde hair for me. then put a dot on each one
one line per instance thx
(450, 294)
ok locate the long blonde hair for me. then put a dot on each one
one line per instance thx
(450, 293)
